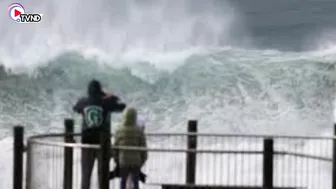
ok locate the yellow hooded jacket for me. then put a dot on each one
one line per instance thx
(128, 134)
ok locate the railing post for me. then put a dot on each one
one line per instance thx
(268, 164)
(191, 156)
(104, 160)
(18, 150)
(334, 161)
(28, 165)
(68, 154)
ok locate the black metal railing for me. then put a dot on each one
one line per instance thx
(180, 160)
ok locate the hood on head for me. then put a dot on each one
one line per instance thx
(130, 117)
(94, 88)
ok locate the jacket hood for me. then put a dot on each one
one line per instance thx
(94, 89)
(130, 117)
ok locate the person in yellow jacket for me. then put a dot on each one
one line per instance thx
(130, 161)
(116, 173)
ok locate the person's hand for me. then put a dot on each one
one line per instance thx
(108, 95)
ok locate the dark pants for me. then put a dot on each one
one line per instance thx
(88, 159)
(129, 171)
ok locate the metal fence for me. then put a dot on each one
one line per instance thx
(221, 160)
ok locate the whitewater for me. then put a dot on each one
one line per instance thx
(174, 61)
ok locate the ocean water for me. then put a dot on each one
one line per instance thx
(236, 66)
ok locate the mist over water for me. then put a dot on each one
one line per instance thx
(118, 28)
(153, 53)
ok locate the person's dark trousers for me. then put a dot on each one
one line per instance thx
(87, 161)
(129, 171)
(116, 173)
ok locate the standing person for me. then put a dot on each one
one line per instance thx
(140, 122)
(130, 161)
(95, 110)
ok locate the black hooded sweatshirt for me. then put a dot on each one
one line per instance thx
(95, 110)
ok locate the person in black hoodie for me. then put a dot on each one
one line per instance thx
(95, 110)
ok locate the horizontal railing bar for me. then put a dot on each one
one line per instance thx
(205, 135)
(62, 144)
(303, 155)
(219, 185)
(77, 145)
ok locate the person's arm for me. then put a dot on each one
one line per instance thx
(143, 143)
(78, 107)
(117, 137)
(107, 95)
(114, 104)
